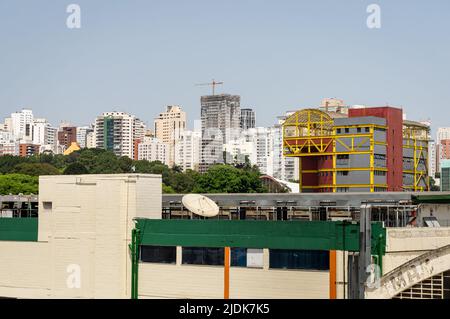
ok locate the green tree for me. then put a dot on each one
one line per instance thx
(143, 167)
(18, 184)
(105, 163)
(36, 169)
(8, 162)
(75, 169)
(228, 179)
(125, 164)
(167, 189)
(184, 183)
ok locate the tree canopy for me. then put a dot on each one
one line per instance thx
(229, 179)
(18, 184)
(22, 172)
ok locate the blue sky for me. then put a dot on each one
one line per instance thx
(138, 56)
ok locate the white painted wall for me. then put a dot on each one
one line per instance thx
(198, 281)
(404, 244)
(89, 224)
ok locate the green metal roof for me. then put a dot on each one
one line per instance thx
(438, 198)
(307, 235)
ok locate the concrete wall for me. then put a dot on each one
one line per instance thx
(198, 281)
(404, 244)
(85, 224)
(440, 211)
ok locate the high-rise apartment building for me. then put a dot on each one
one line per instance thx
(82, 135)
(239, 150)
(21, 125)
(169, 126)
(117, 132)
(67, 135)
(247, 119)
(443, 133)
(220, 116)
(333, 105)
(151, 149)
(432, 159)
(8, 144)
(90, 140)
(442, 152)
(44, 134)
(187, 150)
(263, 148)
(28, 149)
(9, 148)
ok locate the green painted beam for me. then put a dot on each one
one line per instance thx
(307, 235)
(18, 229)
(432, 199)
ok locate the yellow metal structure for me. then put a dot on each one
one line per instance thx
(415, 139)
(311, 133)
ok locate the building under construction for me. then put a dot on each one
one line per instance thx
(370, 149)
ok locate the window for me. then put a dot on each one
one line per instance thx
(203, 256)
(338, 131)
(159, 254)
(344, 156)
(240, 257)
(342, 173)
(347, 130)
(367, 129)
(299, 259)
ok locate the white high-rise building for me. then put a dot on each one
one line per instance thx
(119, 132)
(239, 150)
(90, 140)
(187, 150)
(8, 144)
(39, 128)
(262, 154)
(264, 148)
(169, 126)
(21, 125)
(432, 159)
(82, 134)
(9, 148)
(442, 145)
(284, 168)
(7, 126)
(43, 132)
(151, 149)
(443, 133)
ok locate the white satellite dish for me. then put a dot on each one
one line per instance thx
(200, 205)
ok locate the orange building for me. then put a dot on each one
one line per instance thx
(26, 150)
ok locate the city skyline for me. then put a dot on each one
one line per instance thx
(281, 51)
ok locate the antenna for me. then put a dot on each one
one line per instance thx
(213, 84)
(200, 205)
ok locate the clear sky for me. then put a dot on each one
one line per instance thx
(140, 55)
